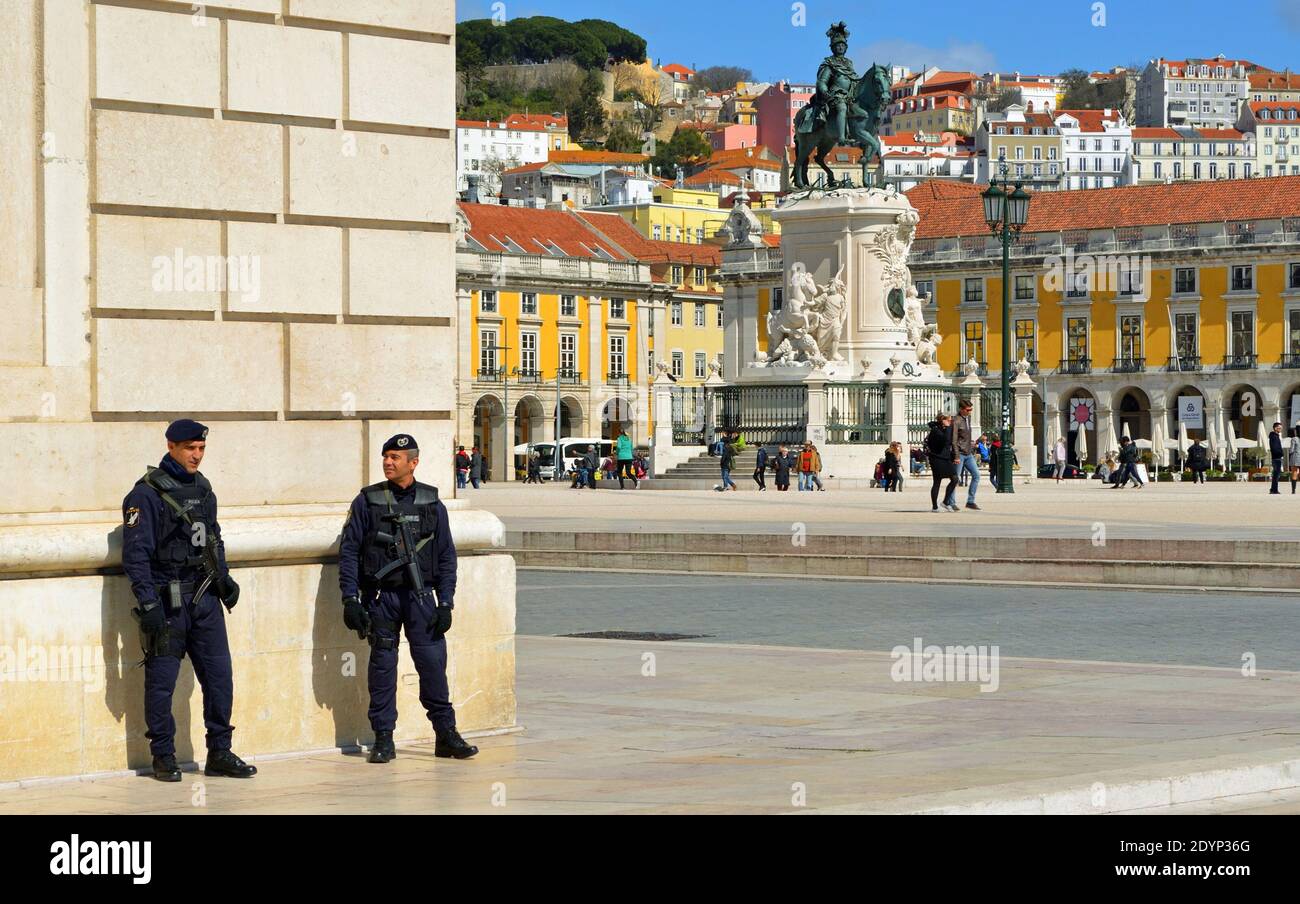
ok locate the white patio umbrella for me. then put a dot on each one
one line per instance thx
(1081, 445)
(1159, 451)
(1263, 441)
(1124, 431)
(1183, 442)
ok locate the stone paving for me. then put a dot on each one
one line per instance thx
(751, 729)
(1042, 509)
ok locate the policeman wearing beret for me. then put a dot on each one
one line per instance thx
(397, 571)
(173, 555)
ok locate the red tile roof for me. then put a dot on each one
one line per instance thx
(1257, 105)
(955, 209)
(595, 157)
(546, 121)
(1156, 132)
(1091, 120)
(678, 71)
(490, 224)
(623, 234)
(1274, 81)
(713, 176)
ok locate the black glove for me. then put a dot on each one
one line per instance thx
(441, 621)
(355, 616)
(152, 620)
(228, 592)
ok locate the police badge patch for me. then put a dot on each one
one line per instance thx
(132, 517)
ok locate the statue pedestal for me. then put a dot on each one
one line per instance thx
(862, 236)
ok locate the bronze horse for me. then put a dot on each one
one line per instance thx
(870, 94)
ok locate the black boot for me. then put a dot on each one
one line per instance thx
(165, 768)
(451, 744)
(382, 750)
(224, 762)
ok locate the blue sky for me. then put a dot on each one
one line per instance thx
(1059, 35)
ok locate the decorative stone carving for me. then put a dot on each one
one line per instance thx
(742, 226)
(971, 367)
(927, 350)
(832, 309)
(790, 330)
(460, 228)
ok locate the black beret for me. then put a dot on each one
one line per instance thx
(402, 442)
(186, 430)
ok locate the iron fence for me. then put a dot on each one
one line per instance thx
(688, 415)
(765, 415)
(923, 403)
(856, 413)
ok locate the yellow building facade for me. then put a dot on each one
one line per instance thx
(1127, 317)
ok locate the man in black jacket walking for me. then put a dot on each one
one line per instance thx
(1278, 456)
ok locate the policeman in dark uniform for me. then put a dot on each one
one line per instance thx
(173, 554)
(397, 569)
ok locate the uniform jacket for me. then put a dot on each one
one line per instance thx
(437, 559)
(145, 522)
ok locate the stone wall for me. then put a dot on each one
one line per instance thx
(241, 214)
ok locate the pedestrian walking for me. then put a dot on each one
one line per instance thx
(1278, 454)
(1198, 460)
(1128, 456)
(475, 467)
(964, 445)
(814, 476)
(782, 465)
(1294, 455)
(1061, 457)
(462, 467)
(534, 468)
(592, 463)
(727, 463)
(623, 450)
(760, 469)
(892, 471)
(943, 461)
(805, 468)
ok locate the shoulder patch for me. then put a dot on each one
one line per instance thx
(132, 517)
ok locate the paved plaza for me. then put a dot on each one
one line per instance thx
(1043, 508)
(711, 728)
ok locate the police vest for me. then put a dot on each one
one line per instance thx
(178, 556)
(381, 546)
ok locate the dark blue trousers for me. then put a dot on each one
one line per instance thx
(402, 608)
(199, 631)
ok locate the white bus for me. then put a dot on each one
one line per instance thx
(574, 448)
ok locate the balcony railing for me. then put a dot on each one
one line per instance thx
(492, 374)
(1076, 366)
(532, 266)
(1239, 362)
(1290, 361)
(1129, 365)
(528, 376)
(1184, 363)
(617, 380)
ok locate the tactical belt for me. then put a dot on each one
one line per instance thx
(175, 591)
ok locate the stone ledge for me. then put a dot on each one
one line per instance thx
(251, 534)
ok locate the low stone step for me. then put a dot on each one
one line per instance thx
(1226, 577)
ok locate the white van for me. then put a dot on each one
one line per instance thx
(573, 448)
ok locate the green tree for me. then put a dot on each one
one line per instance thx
(721, 78)
(621, 44)
(587, 118)
(686, 147)
(622, 140)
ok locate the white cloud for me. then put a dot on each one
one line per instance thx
(973, 57)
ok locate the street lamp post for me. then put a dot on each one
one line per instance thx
(1006, 212)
